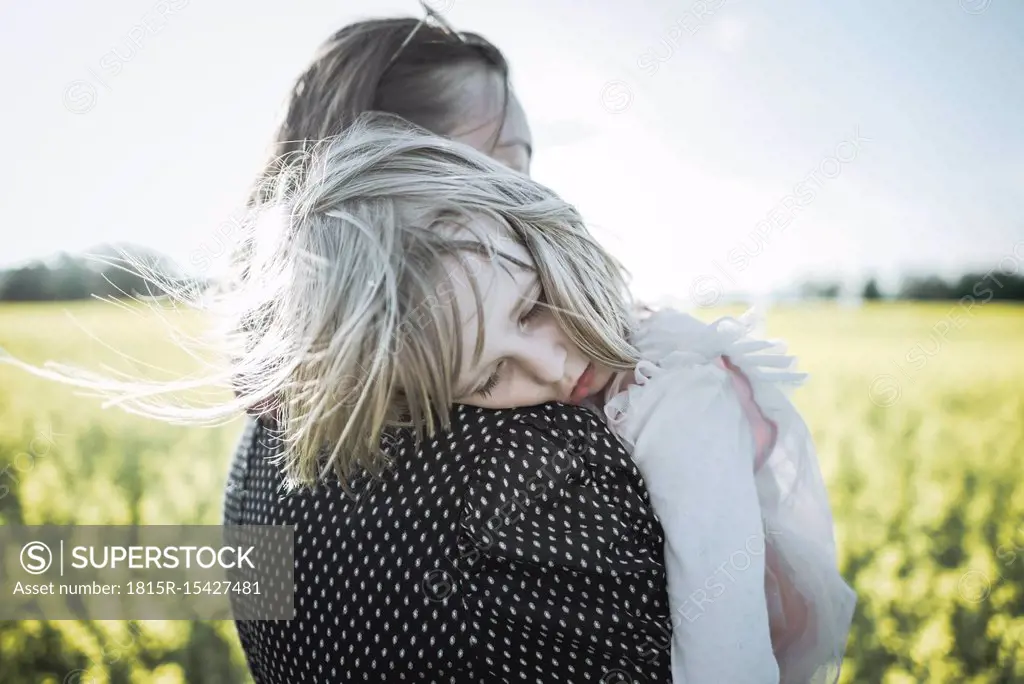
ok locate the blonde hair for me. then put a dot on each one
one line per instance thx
(339, 318)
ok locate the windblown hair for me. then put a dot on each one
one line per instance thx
(344, 327)
(401, 66)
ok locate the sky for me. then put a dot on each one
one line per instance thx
(710, 144)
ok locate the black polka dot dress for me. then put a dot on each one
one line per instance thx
(520, 546)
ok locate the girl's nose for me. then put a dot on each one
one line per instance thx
(548, 366)
(544, 355)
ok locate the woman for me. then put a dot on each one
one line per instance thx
(477, 556)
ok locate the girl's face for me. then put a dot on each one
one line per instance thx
(527, 359)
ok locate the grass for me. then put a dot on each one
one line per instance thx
(917, 411)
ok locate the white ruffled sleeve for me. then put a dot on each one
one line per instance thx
(695, 444)
(691, 443)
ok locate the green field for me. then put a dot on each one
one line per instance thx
(917, 411)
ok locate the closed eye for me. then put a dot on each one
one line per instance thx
(492, 382)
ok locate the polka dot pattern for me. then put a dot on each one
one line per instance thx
(519, 546)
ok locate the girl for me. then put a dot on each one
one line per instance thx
(404, 274)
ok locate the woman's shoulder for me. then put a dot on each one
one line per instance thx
(554, 463)
(545, 457)
(557, 543)
(536, 435)
(506, 446)
(541, 499)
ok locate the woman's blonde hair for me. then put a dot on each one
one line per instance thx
(343, 325)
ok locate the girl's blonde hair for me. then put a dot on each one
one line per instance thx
(343, 323)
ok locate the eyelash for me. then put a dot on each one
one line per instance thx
(492, 382)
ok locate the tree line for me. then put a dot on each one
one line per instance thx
(104, 272)
(984, 286)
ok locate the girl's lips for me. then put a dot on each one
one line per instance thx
(582, 388)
